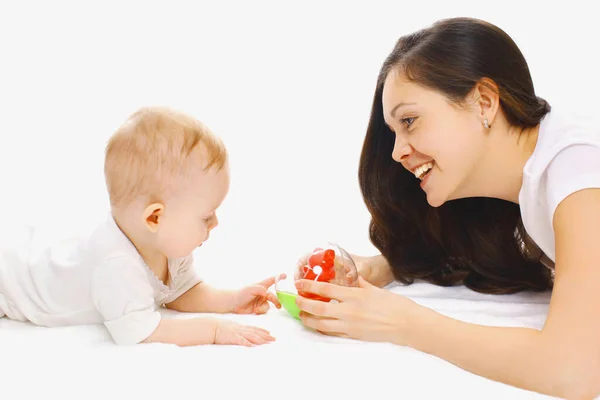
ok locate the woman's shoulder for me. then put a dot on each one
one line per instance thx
(560, 132)
(566, 159)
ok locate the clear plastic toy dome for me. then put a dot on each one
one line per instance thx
(325, 263)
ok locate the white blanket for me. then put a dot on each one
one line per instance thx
(82, 362)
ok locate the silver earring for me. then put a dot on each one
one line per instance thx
(486, 124)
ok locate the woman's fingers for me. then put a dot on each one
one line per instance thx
(324, 289)
(327, 326)
(316, 307)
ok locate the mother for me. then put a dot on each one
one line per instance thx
(471, 179)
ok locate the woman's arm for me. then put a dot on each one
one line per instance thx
(520, 357)
(564, 358)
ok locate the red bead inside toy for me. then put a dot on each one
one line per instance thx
(320, 267)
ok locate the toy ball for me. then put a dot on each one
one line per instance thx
(328, 263)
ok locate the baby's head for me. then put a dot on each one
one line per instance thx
(166, 175)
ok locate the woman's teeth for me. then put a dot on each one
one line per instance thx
(423, 169)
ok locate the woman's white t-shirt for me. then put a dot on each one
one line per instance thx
(97, 279)
(566, 159)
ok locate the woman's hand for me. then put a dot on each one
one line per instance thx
(365, 312)
(375, 270)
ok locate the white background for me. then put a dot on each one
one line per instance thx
(288, 85)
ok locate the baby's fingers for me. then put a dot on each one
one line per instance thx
(256, 339)
(250, 328)
(242, 341)
(257, 335)
(261, 308)
(273, 299)
(262, 333)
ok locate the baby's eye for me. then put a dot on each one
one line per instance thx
(207, 219)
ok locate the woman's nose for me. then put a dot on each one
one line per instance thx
(402, 150)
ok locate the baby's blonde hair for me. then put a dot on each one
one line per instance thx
(153, 149)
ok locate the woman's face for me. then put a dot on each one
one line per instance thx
(440, 143)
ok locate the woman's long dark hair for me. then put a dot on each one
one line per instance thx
(477, 242)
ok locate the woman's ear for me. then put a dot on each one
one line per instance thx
(486, 101)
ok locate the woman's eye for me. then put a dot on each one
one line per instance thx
(407, 121)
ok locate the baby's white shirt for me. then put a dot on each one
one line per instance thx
(566, 159)
(100, 278)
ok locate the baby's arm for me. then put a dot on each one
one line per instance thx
(198, 331)
(184, 332)
(203, 298)
(194, 296)
(124, 298)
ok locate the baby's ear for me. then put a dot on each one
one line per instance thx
(152, 215)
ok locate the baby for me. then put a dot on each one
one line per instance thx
(166, 175)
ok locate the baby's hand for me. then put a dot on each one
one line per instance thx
(254, 299)
(228, 332)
